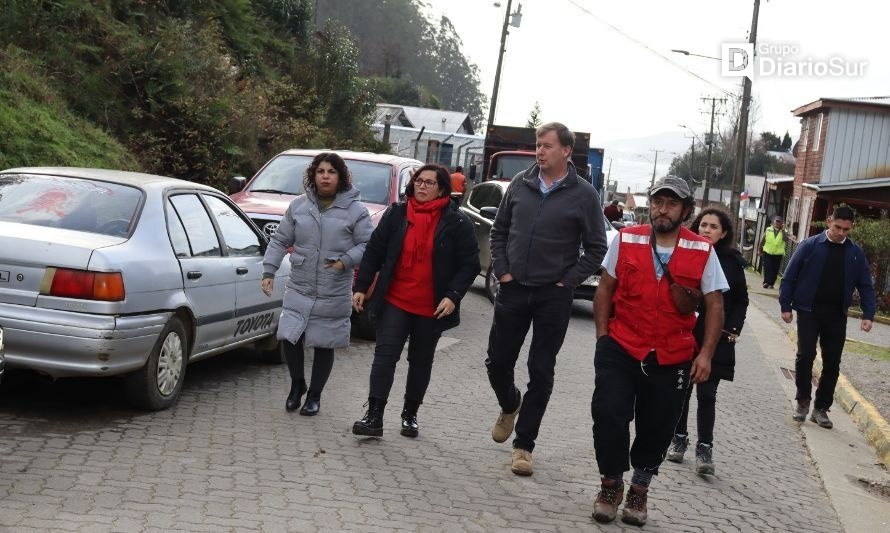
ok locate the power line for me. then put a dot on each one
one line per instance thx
(647, 47)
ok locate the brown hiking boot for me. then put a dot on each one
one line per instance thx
(634, 511)
(503, 427)
(605, 507)
(522, 462)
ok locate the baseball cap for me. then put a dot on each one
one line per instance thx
(674, 184)
(779, 218)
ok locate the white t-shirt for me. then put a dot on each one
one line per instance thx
(712, 278)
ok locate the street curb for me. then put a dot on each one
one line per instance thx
(876, 429)
(863, 412)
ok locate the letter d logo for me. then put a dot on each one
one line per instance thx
(737, 59)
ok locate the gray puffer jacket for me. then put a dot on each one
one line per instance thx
(318, 300)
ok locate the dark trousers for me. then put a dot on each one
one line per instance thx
(394, 327)
(626, 389)
(322, 364)
(517, 307)
(830, 329)
(771, 264)
(706, 394)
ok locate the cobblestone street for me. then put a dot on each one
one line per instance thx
(228, 457)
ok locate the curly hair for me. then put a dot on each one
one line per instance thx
(442, 177)
(722, 215)
(344, 181)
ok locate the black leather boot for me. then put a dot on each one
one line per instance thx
(312, 405)
(297, 390)
(409, 419)
(372, 423)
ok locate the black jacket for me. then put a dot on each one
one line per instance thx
(455, 258)
(538, 239)
(735, 308)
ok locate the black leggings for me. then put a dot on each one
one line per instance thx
(706, 393)
(321, 365)
(394, 327)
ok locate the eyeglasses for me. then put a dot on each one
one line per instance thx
(429, 184)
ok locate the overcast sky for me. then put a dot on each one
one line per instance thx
(606, 67)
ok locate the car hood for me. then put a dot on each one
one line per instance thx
(276, 204)
(263, 202)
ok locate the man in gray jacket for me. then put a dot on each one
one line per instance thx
(548, 216)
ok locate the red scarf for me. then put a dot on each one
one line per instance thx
(422, 221)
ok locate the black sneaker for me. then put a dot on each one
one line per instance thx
(820, 416)
(801, 411)
(677, 449)
(704, 463)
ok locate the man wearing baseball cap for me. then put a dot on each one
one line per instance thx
(772, 250)
(645, 347)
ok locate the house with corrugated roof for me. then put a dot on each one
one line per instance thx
(431, 135)
(843, 156)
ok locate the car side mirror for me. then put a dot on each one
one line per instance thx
(489, 212)
(236, 184)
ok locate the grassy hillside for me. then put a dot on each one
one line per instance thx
(39, 129)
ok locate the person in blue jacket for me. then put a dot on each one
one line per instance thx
(810, 287)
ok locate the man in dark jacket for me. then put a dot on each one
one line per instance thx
(810, 287)
(548, 216)
(613, 212)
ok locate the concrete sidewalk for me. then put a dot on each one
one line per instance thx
(858, 405)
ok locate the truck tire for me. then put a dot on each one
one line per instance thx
(157, 385)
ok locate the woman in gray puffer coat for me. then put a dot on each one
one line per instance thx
(328, 228)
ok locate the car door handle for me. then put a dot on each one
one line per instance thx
(194, 274)
(241, 270)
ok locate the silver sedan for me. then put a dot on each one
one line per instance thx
(105, 272)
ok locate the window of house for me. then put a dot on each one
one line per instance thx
(804, 127)
(791, 217)
(818, 133)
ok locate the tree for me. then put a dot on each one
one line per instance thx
(396, 39)
(786, 142)
(771, 141)
(534, 117)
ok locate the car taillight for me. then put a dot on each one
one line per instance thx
(83, 284)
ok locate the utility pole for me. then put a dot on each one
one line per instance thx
(741, 155)
(706, 181)
(606, 188)
(516, 19)
(654, 166)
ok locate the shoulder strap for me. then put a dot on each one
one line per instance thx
(664, 267)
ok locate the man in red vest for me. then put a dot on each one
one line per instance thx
(645, 347)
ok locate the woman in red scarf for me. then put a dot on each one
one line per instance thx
(426, 254)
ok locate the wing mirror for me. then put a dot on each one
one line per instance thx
(236, 184)
(489, 212)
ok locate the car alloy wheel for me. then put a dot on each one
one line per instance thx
(170, 363)
(158, 383)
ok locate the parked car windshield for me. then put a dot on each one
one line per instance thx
(285, 174)
(68, 203)
(510, 165)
